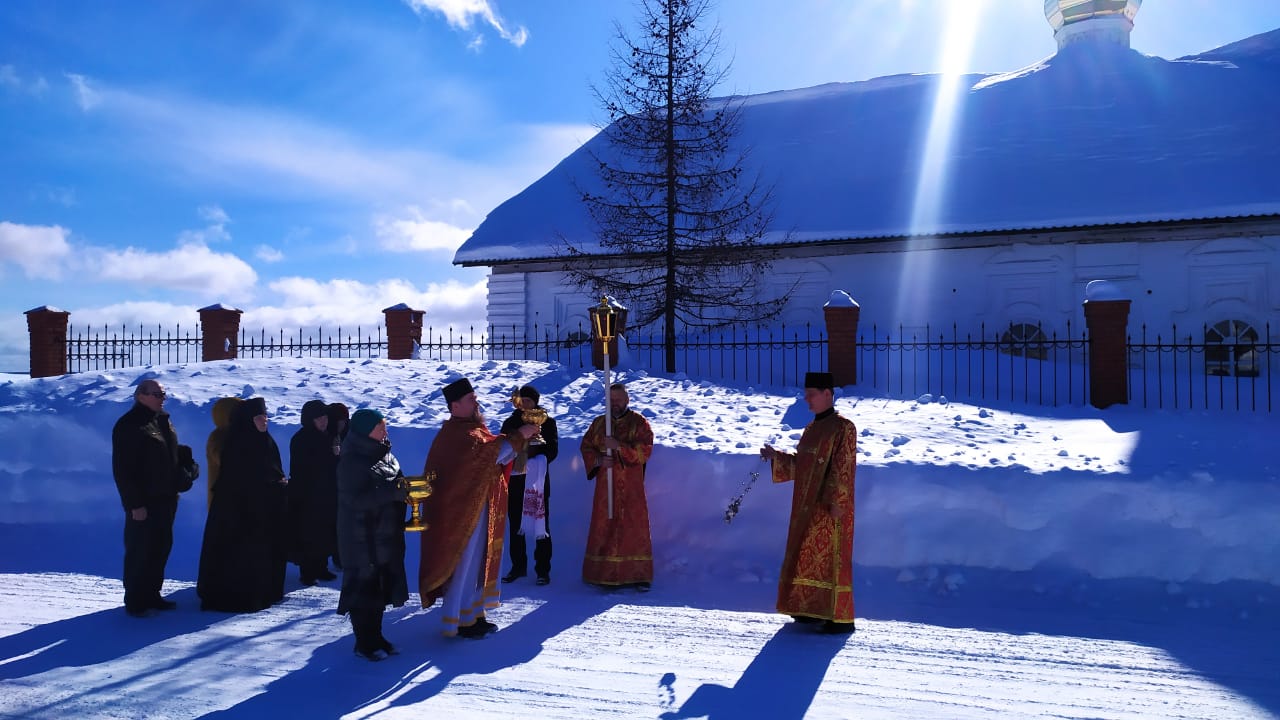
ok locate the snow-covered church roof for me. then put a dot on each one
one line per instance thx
(1098, 134)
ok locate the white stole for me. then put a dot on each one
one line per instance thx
(534, 518)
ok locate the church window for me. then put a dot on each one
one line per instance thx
(1230, 348)
(576, 338)
(1025, 340)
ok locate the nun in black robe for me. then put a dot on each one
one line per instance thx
(245, 549)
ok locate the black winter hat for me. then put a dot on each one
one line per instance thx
(313, 409)
(531, 392)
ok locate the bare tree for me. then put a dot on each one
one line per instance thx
(678, 226)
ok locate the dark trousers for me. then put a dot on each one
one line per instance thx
(146, 551)
(518, 545)
(367, 625)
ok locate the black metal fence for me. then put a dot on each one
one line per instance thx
(1011, 364)
(1207, 375)
(547, 343)
(1015, 363)
(92, 348)
(773, 357)
(305, 343)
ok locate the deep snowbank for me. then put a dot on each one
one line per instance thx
(941, 487)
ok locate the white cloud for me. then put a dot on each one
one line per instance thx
(266, 253)
(213, 214)
(252, 146)
(86, 97)
(307, 302)
(64, 196)
(38, 249)
(15, 343)
(291, 157)
(190, 266)
(461, 13)
(145, 314)
(9, 78)
(215, 231)
(417, 233)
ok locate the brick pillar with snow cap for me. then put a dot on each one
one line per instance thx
(404, 331)
(220, 332)
(1106, 315)
(841, 315)
(48, 329)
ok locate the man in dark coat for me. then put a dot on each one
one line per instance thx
(371, 505)
(150, 469)
(529, 501)
(313, 494)
(242, 560)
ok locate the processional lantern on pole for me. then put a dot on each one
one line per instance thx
(604, 328)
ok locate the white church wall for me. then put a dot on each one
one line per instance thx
(1191, 282)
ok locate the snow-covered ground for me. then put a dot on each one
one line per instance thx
(1011, 562)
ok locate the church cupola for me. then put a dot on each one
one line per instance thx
(1108, 21)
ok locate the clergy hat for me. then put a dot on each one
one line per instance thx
(456, 390)
(256, 406)
(364, 421)
(819, 380)
(531, 392)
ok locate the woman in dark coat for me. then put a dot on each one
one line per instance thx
(244, 553)
(313, 494)
(339, 420)
(371, 505)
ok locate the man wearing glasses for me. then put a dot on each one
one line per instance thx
(150, 470)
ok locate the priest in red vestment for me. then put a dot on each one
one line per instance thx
(816, 583)
(466, 514)
(619, 551)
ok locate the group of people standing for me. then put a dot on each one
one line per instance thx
(260, 517)
(345, 499)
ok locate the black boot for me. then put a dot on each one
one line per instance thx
(366, 624)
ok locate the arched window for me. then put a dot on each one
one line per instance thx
(1230, 349)
(1025, 340)
(576, 337)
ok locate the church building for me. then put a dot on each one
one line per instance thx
(986, 200)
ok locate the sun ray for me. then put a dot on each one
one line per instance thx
(915, 282)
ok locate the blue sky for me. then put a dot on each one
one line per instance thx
(312, 163)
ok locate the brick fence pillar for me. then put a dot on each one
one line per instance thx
(220, 330)
(404, 330)
(841, 314)
(48, 329)
(1106, 315)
